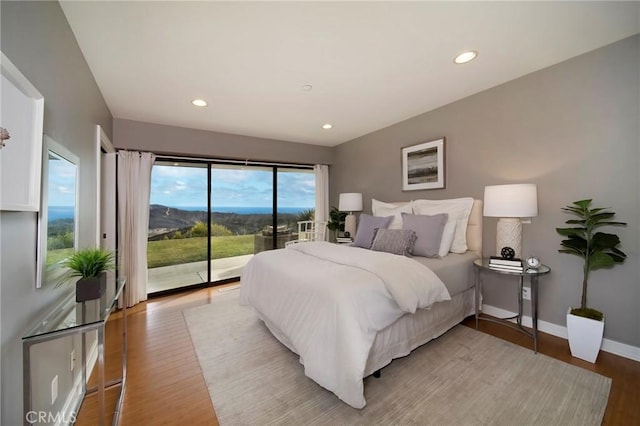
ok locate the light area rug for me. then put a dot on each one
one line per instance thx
(465, 377)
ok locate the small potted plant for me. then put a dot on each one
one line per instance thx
(90, 266)
(336, 221)
(585, 326)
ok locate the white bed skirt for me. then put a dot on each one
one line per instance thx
(413, 330)
(408, 332)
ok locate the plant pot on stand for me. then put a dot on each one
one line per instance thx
(91, 288)
(585, 336)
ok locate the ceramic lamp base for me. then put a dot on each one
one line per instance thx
(350, 224)
(509, 234)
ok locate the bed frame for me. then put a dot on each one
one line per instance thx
(400, 338)
(412, 330)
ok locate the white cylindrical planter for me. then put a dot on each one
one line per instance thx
(585, 336)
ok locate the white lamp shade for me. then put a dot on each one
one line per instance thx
(517, 200)
(350, 202)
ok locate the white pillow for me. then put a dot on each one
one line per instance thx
(447, 238)
(458, 210)
(378, 208)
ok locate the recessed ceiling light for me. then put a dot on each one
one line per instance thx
(465, 57)
(307, 87)
(199, 102)
(327, 126)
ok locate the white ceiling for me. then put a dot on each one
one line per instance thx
(371, 64)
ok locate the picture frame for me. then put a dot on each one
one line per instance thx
(423, 166)
(21, 156)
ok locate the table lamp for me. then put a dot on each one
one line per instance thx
(510, 203)
(350, 202)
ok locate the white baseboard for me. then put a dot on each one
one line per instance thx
(72, 402)
(92, 357)
(229, 288)
(611, 346)
(74, 399)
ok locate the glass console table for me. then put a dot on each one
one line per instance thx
(77, 318)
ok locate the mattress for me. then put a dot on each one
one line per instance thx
(455, 270)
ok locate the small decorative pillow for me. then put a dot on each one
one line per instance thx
(428, 231)
(365, 233)
(391, 209)
(396, 241)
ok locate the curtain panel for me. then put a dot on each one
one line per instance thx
(134, 189)
(322, 193)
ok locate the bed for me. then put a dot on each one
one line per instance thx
(348, 311)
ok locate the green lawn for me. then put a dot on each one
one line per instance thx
(55, 256)
(175, 252)
(187, 250)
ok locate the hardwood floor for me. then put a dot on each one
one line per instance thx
(165, 385)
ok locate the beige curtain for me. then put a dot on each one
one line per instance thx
(322, 193)
(134, 189)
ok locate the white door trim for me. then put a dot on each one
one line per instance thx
(103, 143)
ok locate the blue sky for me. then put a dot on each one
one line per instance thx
(61, 183)
(232, 187)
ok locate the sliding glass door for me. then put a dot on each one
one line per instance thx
(178, 232)
(207, 220)
(296, 199)
(241, 217)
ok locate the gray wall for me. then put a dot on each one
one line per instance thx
(572, 129)
(163, 139)
(36, 37)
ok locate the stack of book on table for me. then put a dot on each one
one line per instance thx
(343, 240)
(502, 264)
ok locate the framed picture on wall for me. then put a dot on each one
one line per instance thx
(20, 140)
(423, 166)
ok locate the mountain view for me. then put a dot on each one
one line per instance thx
(165, 221)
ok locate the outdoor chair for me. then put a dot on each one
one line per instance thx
(309, 230)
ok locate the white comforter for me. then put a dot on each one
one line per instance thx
(327, 301)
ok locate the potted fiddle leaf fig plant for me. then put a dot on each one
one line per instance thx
(585, 325)
(90, 266)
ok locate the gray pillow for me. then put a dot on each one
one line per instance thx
(396, 241)
(428, 231)
(364, 234)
